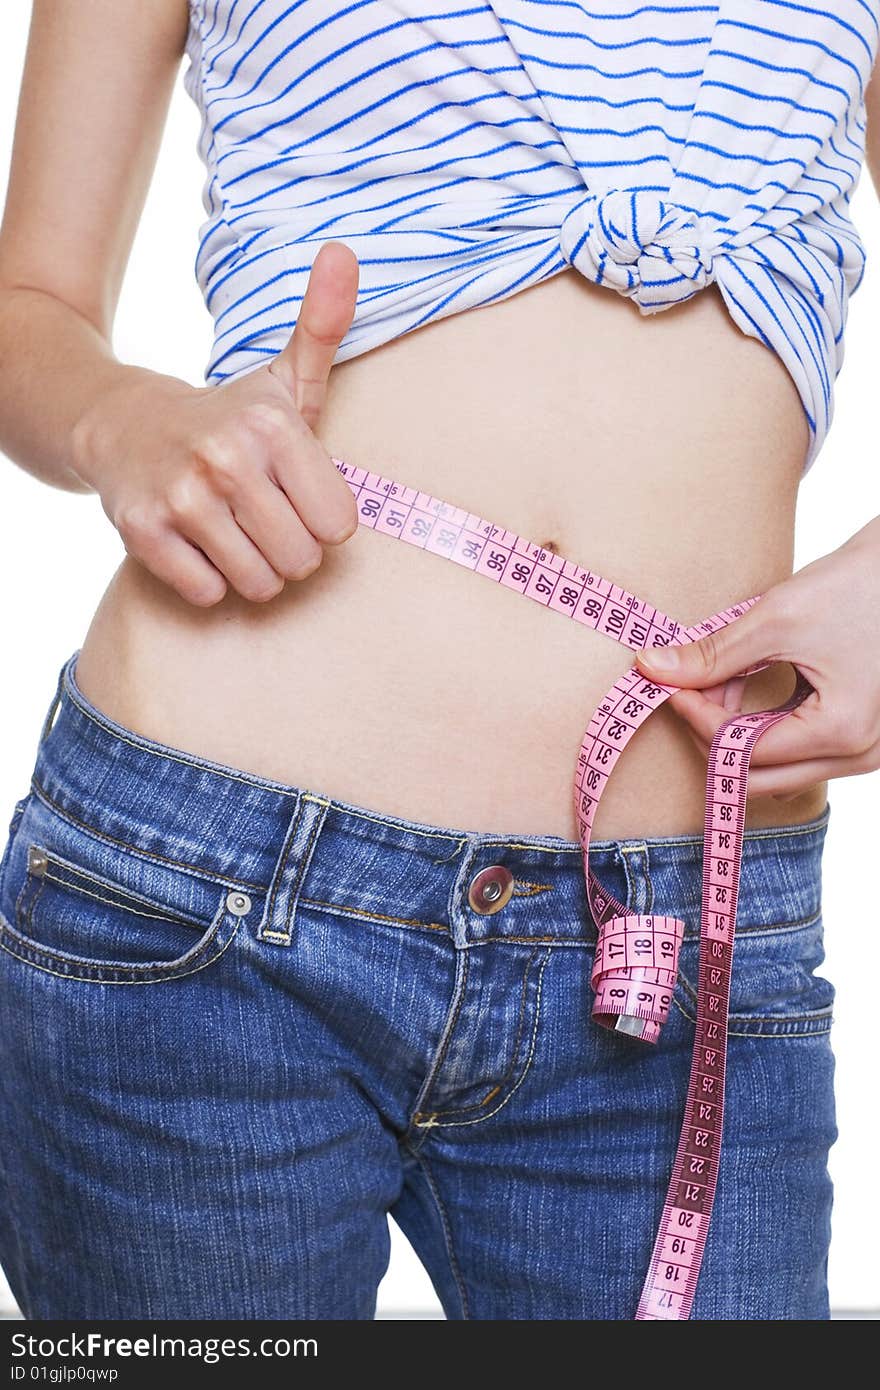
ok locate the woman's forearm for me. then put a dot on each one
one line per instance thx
(54, 365)
(207, 485)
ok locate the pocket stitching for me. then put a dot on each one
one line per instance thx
(124, 903)
(140, 973)
(95, 979)
(811, 1016)
(28, 894)
(125, 898)
(750, 1024)
(823, 1018)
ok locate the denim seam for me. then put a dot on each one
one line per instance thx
(348, 910)
(822, 1018)
(529, 890)
(462, 970)
(31, 943)
(167, 976)
(343, 908)
(768, 832)
(278, 873)
(649, 882)
(640, 847)
(630, 882)
(532, 941)
(764, 929)
(513, 1090)
(304, 861)
(151, 855)
(782, 1033)
(509, 1071)
(29, 894)
(447, 1231)
(125, 899)
(283, 937)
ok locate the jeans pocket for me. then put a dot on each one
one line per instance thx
(84, 907)
(774, 987)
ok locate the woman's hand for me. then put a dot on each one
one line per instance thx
(825, 620)
(212, 486)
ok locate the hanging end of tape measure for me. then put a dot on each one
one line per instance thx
(626, 1023)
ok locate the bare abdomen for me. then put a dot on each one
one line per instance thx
(663, 453)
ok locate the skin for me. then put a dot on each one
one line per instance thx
(293, 643)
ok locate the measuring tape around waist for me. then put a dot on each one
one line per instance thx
(636, 957)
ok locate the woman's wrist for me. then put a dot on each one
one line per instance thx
(132, 398)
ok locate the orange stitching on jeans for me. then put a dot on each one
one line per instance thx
(462, 970)
(374, 916)
(514, 1052)
(534, 941)
(530, 890)
(512, 1092)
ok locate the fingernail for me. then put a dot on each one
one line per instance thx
(658, 658)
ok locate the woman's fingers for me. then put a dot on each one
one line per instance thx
(808, 732)
(751, 639)
(788, 780)
(325, 316)
(315, 488)
(266, 515)
(216, 532)
(180, 565)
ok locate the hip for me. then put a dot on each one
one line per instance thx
(118, 829)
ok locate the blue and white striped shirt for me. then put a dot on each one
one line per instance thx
(465, 149)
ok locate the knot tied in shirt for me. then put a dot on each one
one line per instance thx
(650, 250)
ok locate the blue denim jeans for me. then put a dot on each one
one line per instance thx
(242, 1022)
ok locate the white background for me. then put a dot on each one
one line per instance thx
(57, 552)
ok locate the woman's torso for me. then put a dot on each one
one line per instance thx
(663, 453)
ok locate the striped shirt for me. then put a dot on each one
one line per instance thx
(466, 149)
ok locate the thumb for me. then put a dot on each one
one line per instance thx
(325, 316)
(734, 649)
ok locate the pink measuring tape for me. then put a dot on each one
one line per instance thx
(636, 956)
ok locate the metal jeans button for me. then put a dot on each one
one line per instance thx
(490, 889)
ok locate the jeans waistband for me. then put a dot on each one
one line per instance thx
(218, 820)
